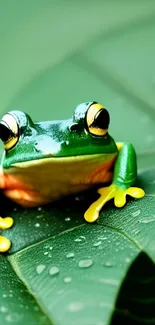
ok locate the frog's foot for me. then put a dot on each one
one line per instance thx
(108, 193)
(5, 223)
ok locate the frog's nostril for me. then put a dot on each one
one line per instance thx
(74, 127)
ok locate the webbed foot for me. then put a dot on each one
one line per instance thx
(108, 193)
(5, 223)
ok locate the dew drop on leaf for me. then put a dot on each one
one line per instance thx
(85, 263)
(127, 260)
(3, 309)
(137, 231)
(98, 243)
(4, 295)
(67, 219)
(147, 220)
(108, 264)
(40, 268)
(75, 306)
(37, 225)
(67, 279)
(69, 255)
(102, 238)
(80, 239)
(136, 213)
(54, 270)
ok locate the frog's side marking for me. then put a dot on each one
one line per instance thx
(47, 160)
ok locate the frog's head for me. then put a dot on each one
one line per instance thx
(86, 133)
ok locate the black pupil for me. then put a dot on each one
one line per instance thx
(101, 120)
(5, 133)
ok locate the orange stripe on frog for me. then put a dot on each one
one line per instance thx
(102, 174)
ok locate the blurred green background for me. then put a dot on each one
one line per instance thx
(56, 54)
(53, 56)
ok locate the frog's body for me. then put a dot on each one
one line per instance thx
(37, 183)
(48, 160)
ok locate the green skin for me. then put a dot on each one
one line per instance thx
(64, 142)
(69, 157)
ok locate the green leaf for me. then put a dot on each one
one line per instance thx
(61, 270)
(79, 268)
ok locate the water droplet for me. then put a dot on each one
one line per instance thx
(54, 270)
(147, 220)
(127, 260)
(3, 309)
(51, 248)
(39, 216)
(37, 224)
(36, 308)
(102, 238)
(97, 244)
(109, 281)
(108, 264)
(75, 306)
(13, 317)
(117, 243)
(4, 295)
(136, 213)
(45, 253)
(80, 239)
(40, 208)
(67, 280)
(69, 255)
(40, 268)
(137, 231)
(85, 263)
(67, 219)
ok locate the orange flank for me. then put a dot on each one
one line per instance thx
(102, 173)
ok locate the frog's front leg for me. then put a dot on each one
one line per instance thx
(125, 173)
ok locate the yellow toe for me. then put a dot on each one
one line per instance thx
(120, 199)
(135, 192)
(6, 223)
(5, 244)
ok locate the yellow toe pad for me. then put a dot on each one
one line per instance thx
(5, 223)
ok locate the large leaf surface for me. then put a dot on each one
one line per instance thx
(61, 270)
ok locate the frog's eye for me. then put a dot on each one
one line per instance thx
(9, 131)
(97, 119)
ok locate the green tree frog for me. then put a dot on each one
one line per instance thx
(45, 161)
